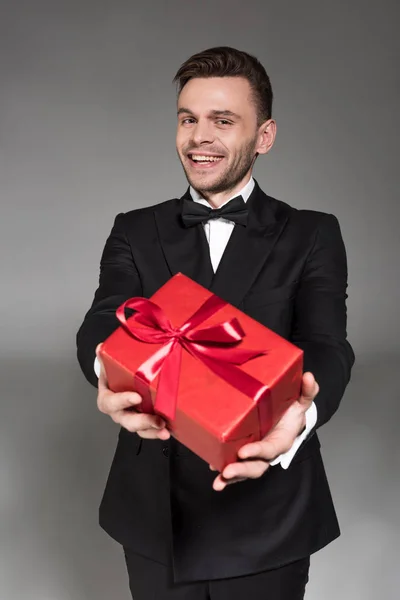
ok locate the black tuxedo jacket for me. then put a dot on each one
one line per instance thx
(287, 269)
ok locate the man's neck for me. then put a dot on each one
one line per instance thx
(217, 200)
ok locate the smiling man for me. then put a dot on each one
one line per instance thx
(248, 532)
(217, 146)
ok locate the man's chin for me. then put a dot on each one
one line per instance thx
(205, 183)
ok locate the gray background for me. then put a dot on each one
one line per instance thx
(87, 122)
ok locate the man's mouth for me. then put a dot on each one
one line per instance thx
(204, 159)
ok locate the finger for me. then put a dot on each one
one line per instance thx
(111, 403)
(163, 434)
(154, 434)
(148, 434)
(234, 480)
(220, 483)
(265, 450)
(309, 388)
(308, 385)
(138, 422)
(277, 442)
(251, 469)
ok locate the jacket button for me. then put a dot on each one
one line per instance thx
(165, 451)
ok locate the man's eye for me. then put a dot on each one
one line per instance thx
(224, 122)
(187, 120)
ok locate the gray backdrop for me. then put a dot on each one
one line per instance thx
(87, 122)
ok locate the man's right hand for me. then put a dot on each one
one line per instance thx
(120, 407)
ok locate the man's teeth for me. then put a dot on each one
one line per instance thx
(199, 158)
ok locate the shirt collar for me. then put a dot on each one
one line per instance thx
(244, 192)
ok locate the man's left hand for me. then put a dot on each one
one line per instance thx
(256, 457)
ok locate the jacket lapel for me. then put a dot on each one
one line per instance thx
(185, 249)
(248, 248)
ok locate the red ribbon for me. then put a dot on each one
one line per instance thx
(214, 346)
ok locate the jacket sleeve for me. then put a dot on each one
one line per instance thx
(119, 280)
(320, 317)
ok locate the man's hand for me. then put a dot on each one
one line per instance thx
(279, 440)
(121, 408)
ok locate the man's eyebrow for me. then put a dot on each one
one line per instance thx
(225, 113)
(215, 113)
(184, 110)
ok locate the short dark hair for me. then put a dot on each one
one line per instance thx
(224, 61)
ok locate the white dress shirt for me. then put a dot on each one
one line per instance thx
(218, 232)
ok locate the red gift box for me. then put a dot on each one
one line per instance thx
(220, 378)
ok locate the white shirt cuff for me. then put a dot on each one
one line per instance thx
(286, 458)
(97, 367)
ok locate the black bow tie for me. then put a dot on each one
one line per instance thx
(194, 212)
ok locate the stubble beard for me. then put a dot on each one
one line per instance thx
(232, 175)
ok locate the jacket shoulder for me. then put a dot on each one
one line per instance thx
(140, 217)
(304, 218)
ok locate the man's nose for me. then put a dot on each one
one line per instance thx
(202, 133)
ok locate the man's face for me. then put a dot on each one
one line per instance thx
(217, 136)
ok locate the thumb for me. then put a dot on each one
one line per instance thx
(309, 389)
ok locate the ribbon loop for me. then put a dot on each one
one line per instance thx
(215, 346)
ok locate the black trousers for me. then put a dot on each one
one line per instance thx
(149, 580)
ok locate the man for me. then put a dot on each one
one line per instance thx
(187, 531)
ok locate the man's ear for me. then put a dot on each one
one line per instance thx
(266, 137)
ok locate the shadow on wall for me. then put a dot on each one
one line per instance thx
(56, 450)
(361, 452)
(55, 453)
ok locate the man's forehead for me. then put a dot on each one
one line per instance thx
(228, 80)
(216, 96)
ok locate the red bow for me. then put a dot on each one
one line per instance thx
(214, 346)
